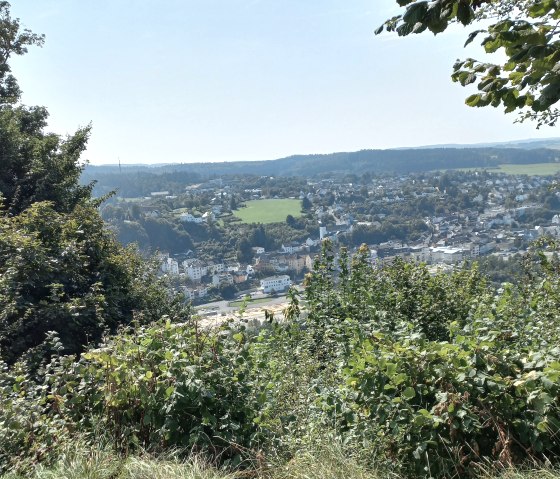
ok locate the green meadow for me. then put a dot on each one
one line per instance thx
(534, 169)
(268, 211)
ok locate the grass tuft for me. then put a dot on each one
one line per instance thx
(326, 463)
(145, 468)
(78, 461)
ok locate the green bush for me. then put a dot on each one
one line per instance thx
(65, 272)
(156, 387)
(439, 372)
(417, 373)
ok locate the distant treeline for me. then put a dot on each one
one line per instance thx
(141, 180)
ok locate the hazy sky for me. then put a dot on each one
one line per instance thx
(218, 80)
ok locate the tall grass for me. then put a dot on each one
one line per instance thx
(145, 468)
(77, 461)
(325, 463)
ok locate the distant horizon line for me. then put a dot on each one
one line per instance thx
(487, 144)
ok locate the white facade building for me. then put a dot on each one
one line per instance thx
(189, 218)
(215, 268)
(170, 266)
(194, 293)
(448, 255)
(275, 283)
(195, 269)
(291, 248)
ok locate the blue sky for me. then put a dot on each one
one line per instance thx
(220, 80)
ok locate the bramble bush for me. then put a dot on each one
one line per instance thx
(424, 374)
(439, 372)
(151, 388)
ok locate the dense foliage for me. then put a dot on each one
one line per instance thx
(65, 272)
(429, 375)
(61, 271)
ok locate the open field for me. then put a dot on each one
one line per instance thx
(235, 304)
(268, 211)
(534, 169)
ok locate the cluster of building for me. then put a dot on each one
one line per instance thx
(194, 270)
(200, 277)
(492, 223)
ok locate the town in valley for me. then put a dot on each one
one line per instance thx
(232, 240)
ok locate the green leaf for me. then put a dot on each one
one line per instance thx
(471, 101)
(409, 393)
(391, 369)
(542, 426)
(464, 13)
(415, 13)
(472, 36)
(399, 378)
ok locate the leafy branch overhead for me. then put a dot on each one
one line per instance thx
(13, 41)
(527, 32)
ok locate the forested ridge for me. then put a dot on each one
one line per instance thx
(141, 180)
(370, 372)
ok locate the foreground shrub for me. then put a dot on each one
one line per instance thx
(438, 372)
(65, 272)
(420, 374)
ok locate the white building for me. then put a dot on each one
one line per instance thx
(195, 269)
(291, 248)
(421, 254)
(189, 218)
(233, 267)
(216, 268)
(474, 250)
(195, 293)
(170, 266)
(448, 255)
(275, 283)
